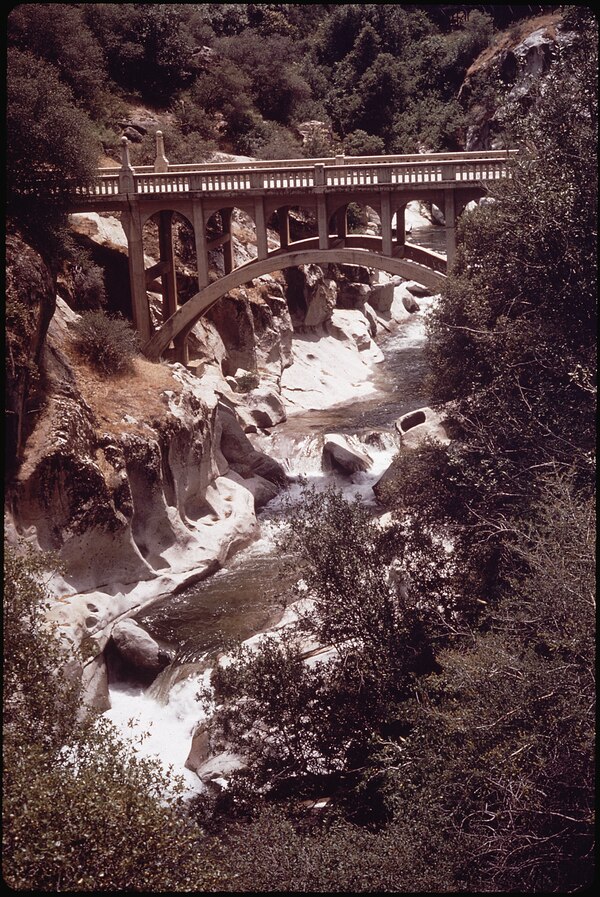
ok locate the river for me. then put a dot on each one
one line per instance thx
(247, 596)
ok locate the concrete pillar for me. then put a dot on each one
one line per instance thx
(261, 227)
(341, 223)
(168, 277)
(200, 239)
(132, 226)
(228, 260)
(386, 224)
(283, 220)
(322, 221)
(450, 216)
(400, 230)
(161, 163)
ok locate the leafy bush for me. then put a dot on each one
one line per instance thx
(89, 291)
(108, 343)
(359, 143)
(81, 812)
(306, 727)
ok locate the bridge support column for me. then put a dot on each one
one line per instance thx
(283, 220)
(132, 226)
(322, 221)
(261, 227)
(168, 277)
(200, 240)
(400, 231)
(450, 216)
(228, 261)
(341, 223)
(386, 224)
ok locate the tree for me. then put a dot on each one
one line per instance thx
(513, 339)
(81, 812)
(305, 727)
(148, 47)
(58, 34)
(50, 142)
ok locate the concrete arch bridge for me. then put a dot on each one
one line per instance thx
(206, 193)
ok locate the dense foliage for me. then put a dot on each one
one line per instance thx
(81, 812)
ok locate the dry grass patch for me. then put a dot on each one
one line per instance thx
(138, 393)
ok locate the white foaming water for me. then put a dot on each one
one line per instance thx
(162, 731)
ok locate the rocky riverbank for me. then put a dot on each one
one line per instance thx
(144, 483)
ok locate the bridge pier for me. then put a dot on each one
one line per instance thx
(322, 221)
(262, 245)
(450, 217)
(283, 224)
(341, 223)
(228, 260)
(167, 257)
(132, 225)
(386, 224)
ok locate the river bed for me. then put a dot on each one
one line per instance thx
(249, 595)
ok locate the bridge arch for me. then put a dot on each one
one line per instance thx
(186, 315)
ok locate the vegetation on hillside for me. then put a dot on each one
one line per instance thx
(452, 723)
(235, 77)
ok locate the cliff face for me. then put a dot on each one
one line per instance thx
(30, 302)
(135, 482)
(516, 60)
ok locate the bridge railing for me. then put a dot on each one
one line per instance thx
(297, 174)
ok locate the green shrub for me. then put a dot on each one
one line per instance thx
(81, 811)
(109, 343)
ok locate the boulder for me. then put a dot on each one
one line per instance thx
(352, 295)
(220, 766)
(351, 326)
(311, 295)
(410, 303)
(382, 295)
(371, 317)
(340, 454)
(241, 455)
(200, 748)
(138, 649)
(133, 135)
(266, 407)
(418, 425)
(417, 289)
